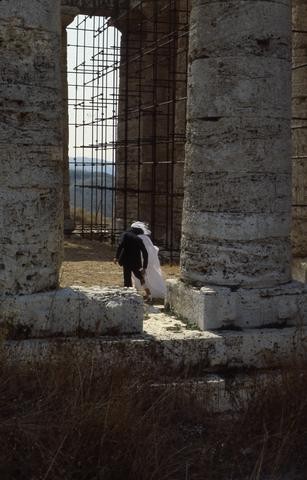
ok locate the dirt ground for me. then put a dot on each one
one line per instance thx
(88, 263)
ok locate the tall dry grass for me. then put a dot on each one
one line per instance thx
(65, 421)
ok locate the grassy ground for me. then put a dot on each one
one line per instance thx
(69, 421)
(88, 262)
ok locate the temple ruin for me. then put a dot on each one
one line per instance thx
(128, 99)
(201, 144)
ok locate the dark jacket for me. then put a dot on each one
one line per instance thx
(130, 249)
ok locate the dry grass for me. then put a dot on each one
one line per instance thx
(72, 421)
(89, 262)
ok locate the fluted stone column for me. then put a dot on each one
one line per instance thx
(67, 18)
(31, 212)
(237, 208)
(31, 189)
(299, 136)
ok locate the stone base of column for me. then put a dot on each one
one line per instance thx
(214, 307)
(74, 311)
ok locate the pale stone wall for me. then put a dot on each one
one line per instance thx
(236, 220)
(299, 127)
(30, 146)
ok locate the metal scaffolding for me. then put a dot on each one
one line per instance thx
(127, 81)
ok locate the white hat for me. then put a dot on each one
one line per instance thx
(142, 226)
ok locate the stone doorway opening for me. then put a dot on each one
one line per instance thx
(93, 60)
(127, 84)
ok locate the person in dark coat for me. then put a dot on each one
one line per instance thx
(132, 255)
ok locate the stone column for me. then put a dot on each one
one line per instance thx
(237, 207)
(67, 17)
(31, 203)
(299, 134)
(31, 190)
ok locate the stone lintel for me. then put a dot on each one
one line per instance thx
(75, 311)
(214, 307)
(68, 14)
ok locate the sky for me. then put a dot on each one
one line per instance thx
(91, 87)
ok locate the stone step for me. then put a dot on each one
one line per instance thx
(169, 345)
(75, 311)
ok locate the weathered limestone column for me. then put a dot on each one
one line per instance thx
(67, 17)
(237, 207)
(299, 136)
(31, 212)
(31, 190)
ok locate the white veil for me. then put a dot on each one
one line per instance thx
(153, 278)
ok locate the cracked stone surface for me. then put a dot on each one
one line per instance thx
(167, 342)
(30, 146)
(236, 215)
(299, 127)
(235, 246)
(75, 311)
(214, 307)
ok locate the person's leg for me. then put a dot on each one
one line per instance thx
(148, 296)
(127, 276)
(139, 275)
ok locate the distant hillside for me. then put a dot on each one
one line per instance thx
(95, 198)
(88, 163)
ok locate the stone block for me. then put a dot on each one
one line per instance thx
(238, 192)
(31, 238)
(238, 226)
(41, 14)
(214, 307)
(247, 86)
(28, 166)
(28, 56)
(238, 144)
(168, 345)
(31, 128)
(230, 27)
(74, 311)
(260, 262)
